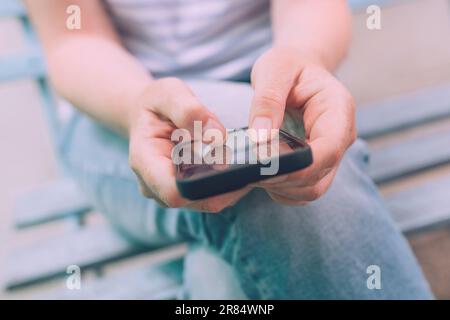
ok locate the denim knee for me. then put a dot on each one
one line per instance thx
(321, 250)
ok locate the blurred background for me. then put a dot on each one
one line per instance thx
(410, 54)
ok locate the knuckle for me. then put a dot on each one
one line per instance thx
(313, 193)
(350, 105)
(350, 102)
(145, 191)
(313, 180)
(345, 98)
(132, 162)
(189, 113)
(193, 109)
(275, 197)
(353, 136)
(354, 131)
(173, 200)
(334, 157)
(133, 154)
(270, 100)
(170, 83)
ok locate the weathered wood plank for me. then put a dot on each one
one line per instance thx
(27, 65)
(422, 206)
(403, 112)
(89, 247)
(53, 201)
(409, 156)
(11, 8)
(154, 282)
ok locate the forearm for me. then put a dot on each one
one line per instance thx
(99, 77)
(320, 29)
(89, 66)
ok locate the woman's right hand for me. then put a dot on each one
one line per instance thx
(165, 105)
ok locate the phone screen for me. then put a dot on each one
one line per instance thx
(238, 150)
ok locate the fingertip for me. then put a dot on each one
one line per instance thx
(213, 123)
(261, 129)
(262, 123)
(210, 130)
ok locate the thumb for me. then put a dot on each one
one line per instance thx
(273, 77)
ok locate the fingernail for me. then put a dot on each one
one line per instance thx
(212, 124)
(262, 126)
(262, 123)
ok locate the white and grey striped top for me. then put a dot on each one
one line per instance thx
(212, 39)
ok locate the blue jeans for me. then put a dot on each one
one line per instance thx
(257, 249)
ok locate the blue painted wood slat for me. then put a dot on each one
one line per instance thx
(11, 8)
(423, 206)
(402, 112)
(409, 156)
(53, 201)
(162, 281)
(89, 247)
(28, 65)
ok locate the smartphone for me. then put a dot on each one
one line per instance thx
(213, 170)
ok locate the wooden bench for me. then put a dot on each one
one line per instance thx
(95, 247)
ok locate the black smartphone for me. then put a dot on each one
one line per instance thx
(213, 170)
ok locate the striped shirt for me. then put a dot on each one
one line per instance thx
(212, 39)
